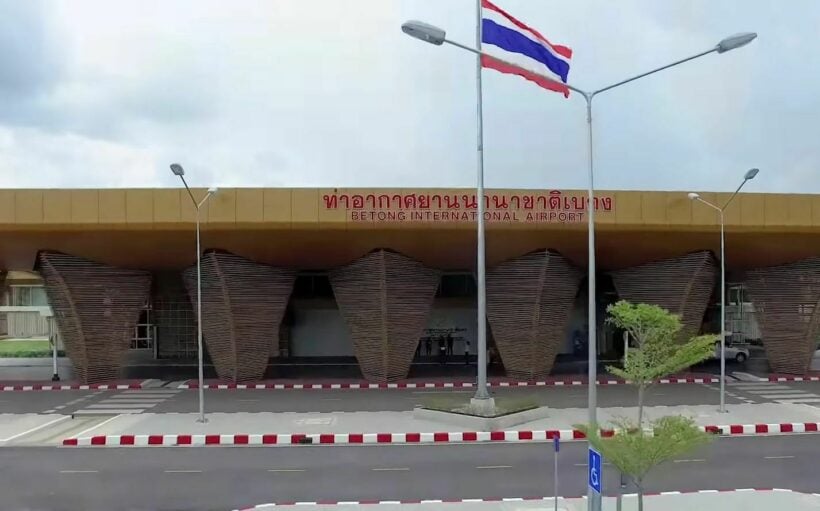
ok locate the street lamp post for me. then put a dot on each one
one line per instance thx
(750, 174)
(438, 36)
(177, 169)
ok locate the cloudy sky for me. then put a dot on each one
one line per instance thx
(106, 93)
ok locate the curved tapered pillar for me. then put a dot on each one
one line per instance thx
(787, 304)
(529, 301)
(243, 303)
(96, 308)
(385, 299)
(682, 285)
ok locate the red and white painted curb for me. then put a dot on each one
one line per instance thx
(428, 385)
(793, 378)
(510, 499)
(402, 438)
(93, 386)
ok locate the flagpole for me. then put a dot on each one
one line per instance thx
(481, 390)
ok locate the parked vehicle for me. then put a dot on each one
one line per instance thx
(737, 352)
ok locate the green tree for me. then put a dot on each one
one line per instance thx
(635, 451)
(658, 351)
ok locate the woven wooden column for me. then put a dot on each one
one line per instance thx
(529, 301)
(682, 285)
(242, 306)
(385, 299)
(787, 304)
(96, 308)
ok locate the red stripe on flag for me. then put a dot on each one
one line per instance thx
(541, 81)
(559, 49)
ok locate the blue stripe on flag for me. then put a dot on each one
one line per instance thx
(510, 40)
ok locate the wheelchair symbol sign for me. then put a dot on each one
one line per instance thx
(595, 470)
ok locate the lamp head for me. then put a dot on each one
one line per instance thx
(750, 174)
(735, 41)
(177, 169)
(424, 31)
(693, 196)
(212, 190)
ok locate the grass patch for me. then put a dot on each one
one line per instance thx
(503, 405)
(25, 349)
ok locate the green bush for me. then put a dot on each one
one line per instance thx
(30, 354)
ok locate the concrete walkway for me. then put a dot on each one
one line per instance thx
(403, 422)
(741, 500)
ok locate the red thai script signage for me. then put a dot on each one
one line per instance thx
(551, 207)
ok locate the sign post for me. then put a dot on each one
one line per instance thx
(595, 474)
(555, 443)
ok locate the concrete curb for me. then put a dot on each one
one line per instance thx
(427, 385)
(509, 499)
(401, 438)
(94, 386)
(793, 378)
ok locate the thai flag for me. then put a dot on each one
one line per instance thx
(515, 42)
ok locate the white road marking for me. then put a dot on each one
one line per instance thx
(491, 467)
(776, 391)
(182, 471)
(688, 461)
(119, 411)
(397, 469)
(152, 392)
(92, 428)
(799, 400)
(78, 471)
(155, 397)
(444, 392)
(103, 406)
(286, 470)
(32, 430)
(777, 457)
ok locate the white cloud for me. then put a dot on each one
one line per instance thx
(327, 93)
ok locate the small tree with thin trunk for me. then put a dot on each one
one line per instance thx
(635, 452)
(658, 352)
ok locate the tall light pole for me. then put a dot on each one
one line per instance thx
(177, 169)
(750, 174)
(438, 36)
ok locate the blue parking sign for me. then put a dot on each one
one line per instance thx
(595, 474)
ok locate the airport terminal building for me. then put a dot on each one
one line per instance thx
(385, 277)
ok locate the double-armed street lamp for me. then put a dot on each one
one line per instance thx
(177, 169)
(750, 174)
(438, 36)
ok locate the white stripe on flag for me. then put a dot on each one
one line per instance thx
(521, 61)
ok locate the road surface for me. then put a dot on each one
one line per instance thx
(222, 478)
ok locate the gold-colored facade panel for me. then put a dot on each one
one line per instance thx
(85, 206)
(139, 206)
(112, 206)
(250, 205)
(56, 206)
(222, 207)
(29, 206)
(276, 205)
(304, 207)
(167, 207)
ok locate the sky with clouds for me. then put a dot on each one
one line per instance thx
(102, 93)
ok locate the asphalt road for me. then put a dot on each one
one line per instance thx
(226, 478)
(394, 400)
